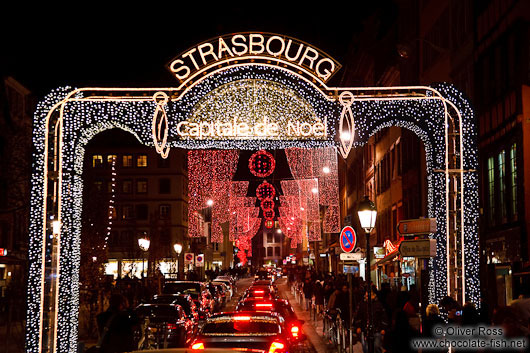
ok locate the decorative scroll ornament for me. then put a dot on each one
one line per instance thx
(160, 125)
(347, 125)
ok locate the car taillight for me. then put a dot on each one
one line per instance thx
(259, 291)
(242, 318)
(171, 326)
(197, 345)
(276, 347)
(263, 305)
(294, 331)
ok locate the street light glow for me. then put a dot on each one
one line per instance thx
(326, 170)
(177, 248)
(209, 203)
(345, 136)
(314, 190)
(144, 243)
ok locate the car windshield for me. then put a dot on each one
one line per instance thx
(185, 288)
(169, 299)
(255, 327)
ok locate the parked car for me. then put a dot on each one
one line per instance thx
(228, 283)
(163, 326)
(198, 292)
(184, 300)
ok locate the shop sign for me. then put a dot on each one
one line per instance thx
(3, 252)
(417, 226)
(323, 255)
(346, 256)
(379, 252)
(349, 269)
(418, 248)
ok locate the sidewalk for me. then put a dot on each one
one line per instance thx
(312, 329)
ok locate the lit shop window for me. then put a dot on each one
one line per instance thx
(141, 161)
(491, 189)
(97, 160)
(127, 161)
(513, 174)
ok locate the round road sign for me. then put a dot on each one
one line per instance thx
(348, 239)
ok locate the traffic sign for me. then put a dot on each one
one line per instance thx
(199, 260)
(417, 226)
(348, 239)
(418, 248)
(347, 256)
(188, 258)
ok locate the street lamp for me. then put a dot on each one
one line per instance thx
(178, 249)
(144, 243)
(367, 215)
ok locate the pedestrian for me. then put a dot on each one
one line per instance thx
(116, 327)
(431, 320)
(398, 338)
(319, 296)
(308, 292)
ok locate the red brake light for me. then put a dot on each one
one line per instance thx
(294, 331)
(263, 305)
(259, 291)
(276, 347)
(197, 345)
(171, 326)
(242, 318)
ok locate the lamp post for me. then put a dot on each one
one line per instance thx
(143, 243)
(178, 249)
(367, 215)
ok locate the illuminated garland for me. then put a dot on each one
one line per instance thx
(265, 190)
(83, 119)
(262, 164)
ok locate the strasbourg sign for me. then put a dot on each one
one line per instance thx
(275, 49)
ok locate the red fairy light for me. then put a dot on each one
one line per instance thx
(267, 204)
(269, 215)
(265, 191)
(262, 164)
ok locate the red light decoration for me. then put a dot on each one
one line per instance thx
(265, 191)
(267, 204)
(262, 164)
(269, 223)
(269, 215)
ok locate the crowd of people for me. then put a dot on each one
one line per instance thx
(397, 314)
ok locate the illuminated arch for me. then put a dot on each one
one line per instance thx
(66, 120)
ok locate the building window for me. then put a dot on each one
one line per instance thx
(141, 161)
(127, 212)
(111, 158)
(97, 160)
(126, 186)
(269, 251)
(127, 161)
(491, 189)
(142, 211)
(513, 179)
(98, 185)
(110, 186)
(501, 157)
(141, 186)
(216, 247)
(277, 237)
(277, 251)
(269, 238)
(164, 186)
(165, 211)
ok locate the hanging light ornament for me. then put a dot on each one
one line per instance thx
(265, 191)
(262, 164)
(269, 215)
(267, 204)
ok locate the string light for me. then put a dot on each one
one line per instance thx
(82, 117)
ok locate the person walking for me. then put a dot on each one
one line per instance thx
(116, 327)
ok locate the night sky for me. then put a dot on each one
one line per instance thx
(129, 44)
